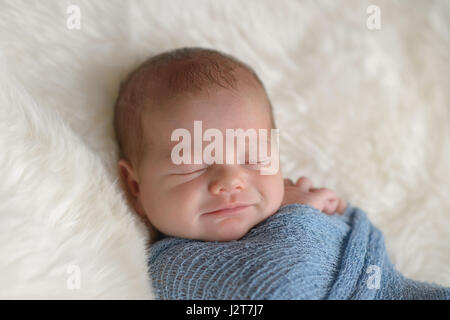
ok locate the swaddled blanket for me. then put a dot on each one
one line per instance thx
(297, 253)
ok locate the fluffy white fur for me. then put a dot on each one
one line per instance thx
(365, 113)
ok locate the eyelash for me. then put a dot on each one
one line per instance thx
(202, 169)
(191, 172)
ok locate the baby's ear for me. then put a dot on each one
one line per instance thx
(130, 186)
(128, 177)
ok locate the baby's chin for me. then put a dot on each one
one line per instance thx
(231, 229)
(226, 237)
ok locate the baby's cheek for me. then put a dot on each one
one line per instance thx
(184, 201)
(273, 187)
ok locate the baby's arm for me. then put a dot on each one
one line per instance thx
(322, 199)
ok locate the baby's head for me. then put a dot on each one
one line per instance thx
(168, 92)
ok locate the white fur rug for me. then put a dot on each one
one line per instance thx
(363, 112)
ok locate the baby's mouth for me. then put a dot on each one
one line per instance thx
(230, 209)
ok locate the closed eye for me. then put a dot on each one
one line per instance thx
(262, 162)
(190, 172)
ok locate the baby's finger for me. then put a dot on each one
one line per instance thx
(288, 182)
(331, 206)
(324, 193)
(304, 184)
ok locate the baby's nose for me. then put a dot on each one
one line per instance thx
(228, 180)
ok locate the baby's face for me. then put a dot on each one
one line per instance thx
(178, 199)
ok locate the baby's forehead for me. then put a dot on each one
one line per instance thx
(163, 132)
(221, 110)
(173, 105)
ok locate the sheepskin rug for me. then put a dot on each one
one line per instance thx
(363, 107)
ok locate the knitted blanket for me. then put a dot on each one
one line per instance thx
(297, 253)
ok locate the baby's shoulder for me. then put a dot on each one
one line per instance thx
(298, 220)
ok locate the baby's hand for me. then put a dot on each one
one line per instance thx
(322, 199)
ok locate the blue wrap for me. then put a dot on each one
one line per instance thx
(297, 253)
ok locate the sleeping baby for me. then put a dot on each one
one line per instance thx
(234, 229)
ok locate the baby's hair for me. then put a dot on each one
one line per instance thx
(182, 70)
